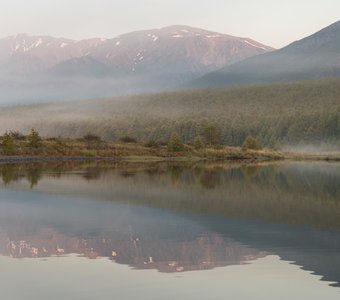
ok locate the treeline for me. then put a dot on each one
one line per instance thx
(275, 115)
(15, 143)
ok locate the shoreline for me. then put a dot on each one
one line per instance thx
(245, 158)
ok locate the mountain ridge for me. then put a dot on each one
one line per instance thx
(313, 57)
(141, 61)
(36, 45)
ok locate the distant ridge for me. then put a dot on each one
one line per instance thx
(141, 61)
(313, 57)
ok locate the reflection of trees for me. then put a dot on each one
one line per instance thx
(33, 176)
(8, 174)
(154, 172)
(197, 172)
(91, 173)
(250, 171)
(127, 174)
(210, 179)
(175, 173)
(285, 193)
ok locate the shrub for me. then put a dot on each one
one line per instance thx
(251, 143)
(16, 135)
(89, 137)
(151, 144)
(92, 141)
(128, 140)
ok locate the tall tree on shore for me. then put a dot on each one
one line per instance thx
(8, 145)
(34, 140)
(175, 143)
(198, 143)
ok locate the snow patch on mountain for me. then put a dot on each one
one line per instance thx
(153, 37)
(38, 43)
(251, 44)
(212, 36)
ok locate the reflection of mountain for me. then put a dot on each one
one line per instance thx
(314, 250)
(198, 253)
(125, 234)
(134, 233)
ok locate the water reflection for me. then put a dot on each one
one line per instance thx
(304, 194)
(174, 218)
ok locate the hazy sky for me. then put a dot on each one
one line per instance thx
(272, 22)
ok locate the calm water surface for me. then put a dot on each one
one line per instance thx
(170, 231)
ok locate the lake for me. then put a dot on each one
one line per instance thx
(170, 231)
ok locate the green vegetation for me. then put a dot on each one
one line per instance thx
(198, 143)
(175, 143)
(278, 115)
(34, 141)
(92, 141)
(128, 139)
(7, 145)
(251, 143)
(212, 135)
(92, 145)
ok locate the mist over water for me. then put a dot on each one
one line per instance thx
(311, 148)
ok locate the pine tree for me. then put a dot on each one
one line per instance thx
(34, 140)
(8, 145)
(198, 143)
(175, 143)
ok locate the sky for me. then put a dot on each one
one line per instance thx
(275, 23)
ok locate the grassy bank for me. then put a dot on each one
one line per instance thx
(55, 149)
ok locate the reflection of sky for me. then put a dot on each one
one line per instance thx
(73, 278)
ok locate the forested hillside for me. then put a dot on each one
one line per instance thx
(302, 113)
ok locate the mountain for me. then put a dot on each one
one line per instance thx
(313, 57)
(142, 61)
(40, 52)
